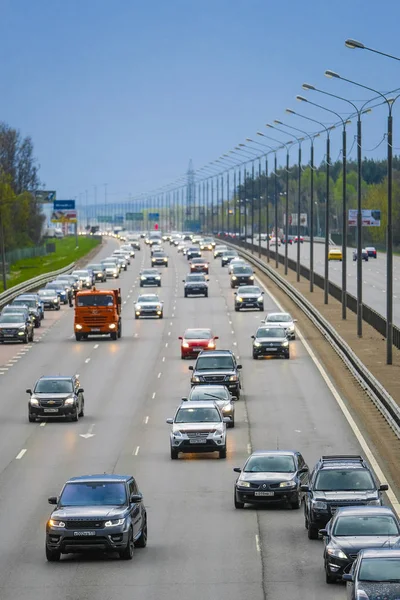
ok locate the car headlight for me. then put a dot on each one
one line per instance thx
(257, 344)
(285, 344)
(218, 433)
(165, 258)
(54, 523)
(260, 299)
(234, 277)
(112, 326)
(233, 378)
(185, 345)
(287, 484)
(69, 401)
(158, 277)
(251, 277)
(290, 327)
(143, 277)
(195, 379)
(211, 345)
(242, 483)
(336, 552)
(56, 300)
(138, 306)
(158, 307)
(34, 402)
(226, 408)
(319, 505)
(374, 502)
(114, 522)
(177, 433)
(239, 299)
(21, 331)
(77, 326)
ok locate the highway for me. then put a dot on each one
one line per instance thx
(199, 546)
(374, 275)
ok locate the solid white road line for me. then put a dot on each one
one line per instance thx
(20, 454)
(359, 436)
(159, 375)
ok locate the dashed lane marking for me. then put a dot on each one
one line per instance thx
(163, 358)
(166, 345)
(146, 420)
(96, 346)
(158, 376)
(42, 424)
(249, 448)
(136, 451)
(87, 360)
(20, 454)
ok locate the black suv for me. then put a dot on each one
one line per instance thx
(242, 275)
(57, 396)
(97, 512)
(337, 481)
(217, 366)
(195, 285)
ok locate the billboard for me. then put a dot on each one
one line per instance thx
(134, 216)
(104, 219)
(153, 216)
(64, 216)
(369, 217)
(45, 196)
(303, 219)
(64, 204)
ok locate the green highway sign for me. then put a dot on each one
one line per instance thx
(104, 219)
(134, 216)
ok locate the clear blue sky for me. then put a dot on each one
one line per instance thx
(127, 91)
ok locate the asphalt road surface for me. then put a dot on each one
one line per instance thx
(374, 275)
(199, 546)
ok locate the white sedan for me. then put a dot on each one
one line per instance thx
(284, 320)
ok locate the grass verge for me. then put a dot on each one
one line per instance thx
(65, 254)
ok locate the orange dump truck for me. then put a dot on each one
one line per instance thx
(97, 312)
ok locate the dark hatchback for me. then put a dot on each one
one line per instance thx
(193, 252)
(150, 277)
(337, 481)
(99, 271)
(353, 529)
(227, 256)
(97, 512)
(375, 575)
(56, 396)
(271, 476)
(242, 275)
(217, 367)
(195, 285)
(270, 341)
(249, 296)
(16, 327)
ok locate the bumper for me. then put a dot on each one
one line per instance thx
(159, 263)
(58, 412)
(319, 519)
(187, 447)
(233, 386)
(271, 351)
(150, 282)
(242, 281)
(199, 270)
(186, 352)
(248, 496)
(192, 291)
(337, 566)
(148, 313)
(67, 540)
(12, 337)
(249, 304)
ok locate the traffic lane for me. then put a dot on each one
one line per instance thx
(57, 353)
(58, 451)
(289, 406)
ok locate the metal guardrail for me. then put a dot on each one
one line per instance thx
(372, 387)
(32, 284)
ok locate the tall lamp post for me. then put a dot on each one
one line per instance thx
(234, 163)
(252, 155)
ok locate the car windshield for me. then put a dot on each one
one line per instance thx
(143, 299)
(211, 363)
(46, 293)
(195, 278)
(193, 249)
(93, 494)
(198, 261)
(197, 334)
(62, 283)
(109, 265)
(270, 332)
(53, 286)
(30, 303)
(351, 480)
(54, 386)
(209, 393)
(96, 267)
(242, 270)
(81, 273)
(366, 525)
(228, 254)
(150, 272)
(12, 318)
(380, 569)
(249, 289)
(270, 464)
(95, 300)
(11, 309)
(279, 318)
(197, 415)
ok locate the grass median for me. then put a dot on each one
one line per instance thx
(66, 253)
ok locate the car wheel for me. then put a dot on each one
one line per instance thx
(37, 323)
(262, 308)
(127, 552)
(31, 418)
(58, 307)
(159, 285)
(294, 336)
(287, 355)
(141, 542)
(78, 337)
(174, 454)
(222, 453)
(312, 532)
(114, 335)
(328, 577)
(119, 329)
(236, 309)
(82, 413)
(186, 295)
(255, 356)
(52, 555)
(231, 425)
(183, 356)
(237, 503)
(161, 316)
(75, 415)
(206, 295)
(296, 504)
(25, 339)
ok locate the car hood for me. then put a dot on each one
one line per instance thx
(249, 295)
(195, 283)
(217, 372)
(377, 591)
(12, 325)
(196, 426)
(283, 324)
(52, 396)
(259, 476)
(72, 512)
(353, 544)
(271, 339)
(345, 496)
(148, 304)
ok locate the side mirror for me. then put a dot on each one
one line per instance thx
(180, 338)
(52, 500)
(294, 320)
(184, 399)
(304, 488)
(226, 419)
(252, 337)
(190, 368)
(234, 399)
(183, 281)
(135, 498)
(235, 293)
(170, 421)
(237, 469)
(262, 292)
(80, 390)
(216, 337)
(29, 391)
(323, 532)
(347, 577)
(384, 487)
(239, 367)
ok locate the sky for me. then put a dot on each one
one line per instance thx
(126, 92)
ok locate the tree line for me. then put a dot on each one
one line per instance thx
(20, 214)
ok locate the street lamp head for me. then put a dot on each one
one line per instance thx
(353, 44)
(307, 86)
(391, 100)
(237, 147)
(301, 99)
(290, 111)
(367, 111)
(242, 145)
(331, 74)
(347, 122)
(278, 122)
(269, 125)
(331, 127)
(249, 140)
(260, 133)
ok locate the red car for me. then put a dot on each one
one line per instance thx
(295, 239)
(196, 340)
(198, 265)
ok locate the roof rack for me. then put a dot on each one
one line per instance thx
(349, 457)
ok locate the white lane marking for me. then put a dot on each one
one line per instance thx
(9, 364)
(89, 434)
(163, 358)
(153, 396)
(146, 420)
(232, 331)
(96, 346)
(159, 375)
(42, 424)
(137, 450)
(20, 454)
(359, 436)
(171, 323)
(258, 546)
(135, 335)
(234, 343)
(124, 301)
(166, 345)
(128, 296)
(3, 368)
(230, 322)
(249, 448)
(169, 333)
(173, 314)
(87, 360)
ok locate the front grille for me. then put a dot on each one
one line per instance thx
(197, 434)
(84, 524)
(94, 321)
(9, 331)
(51, 403)
(214, 378)
(271, 345)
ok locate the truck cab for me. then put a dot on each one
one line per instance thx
(97, 312)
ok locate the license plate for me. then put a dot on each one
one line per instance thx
(263, 493)
(198, 441)
(95, 329)
(197, 348)
(51, 410)
(8, 334)
(84, 533)
(272, 349)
